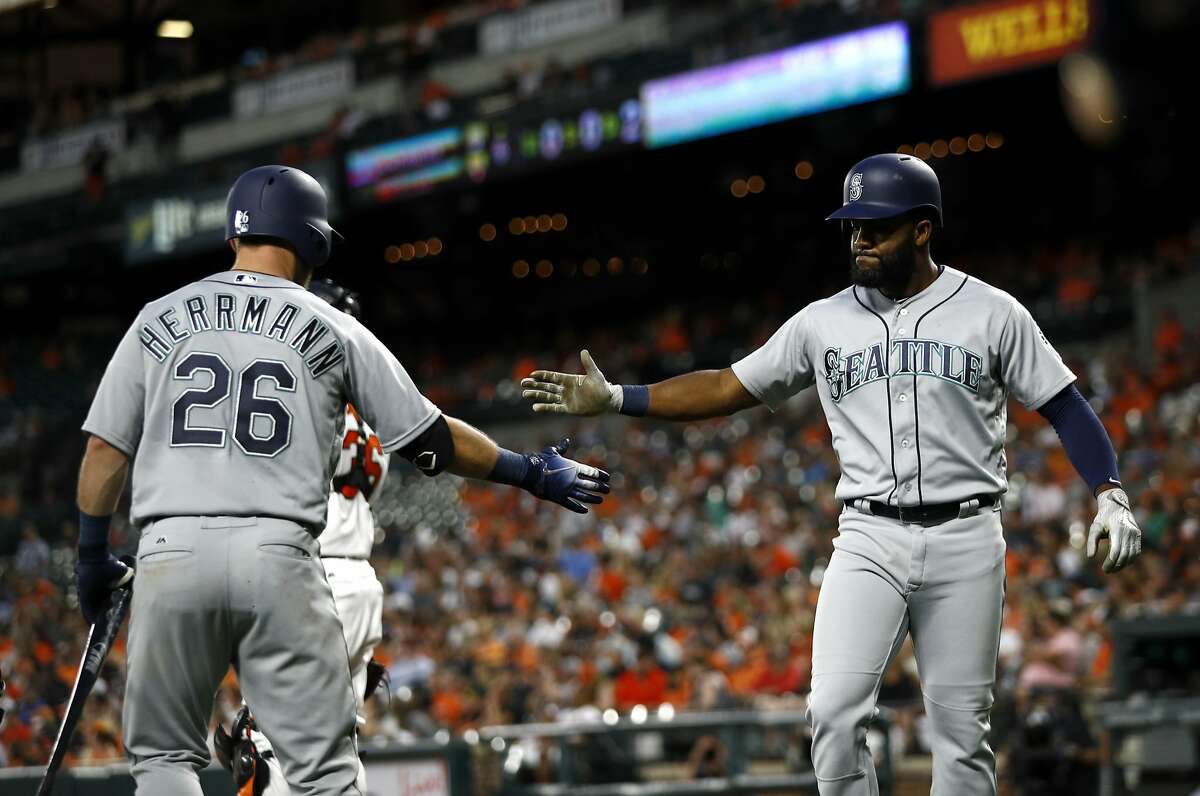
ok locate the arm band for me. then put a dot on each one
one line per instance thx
(635, 399)
(1083, 437)
(93, 535)
(433, 450)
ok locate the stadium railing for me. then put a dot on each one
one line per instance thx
(483, 763)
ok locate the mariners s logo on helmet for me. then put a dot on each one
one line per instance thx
(856, 180)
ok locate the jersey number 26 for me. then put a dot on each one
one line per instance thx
(248, 406)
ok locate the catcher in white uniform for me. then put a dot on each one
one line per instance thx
(346, 543)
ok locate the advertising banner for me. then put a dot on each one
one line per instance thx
(809, 78)
(516, 143)
(408, 778)
(190, 222)
(68, 147)
(992, 38)
(294, 88)
(544, 24)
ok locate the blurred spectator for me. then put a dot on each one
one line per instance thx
(95, 166)
(644, 684)
(1054, 661)
(33, 554)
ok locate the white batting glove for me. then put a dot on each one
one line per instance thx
(1115, 522)
(586, 393)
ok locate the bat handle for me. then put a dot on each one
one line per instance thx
(128, 576)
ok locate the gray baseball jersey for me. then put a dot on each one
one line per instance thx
(914, 390)
(229, 393)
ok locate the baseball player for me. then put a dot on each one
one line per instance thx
(227, 395)
(913, 364)
(345, 547)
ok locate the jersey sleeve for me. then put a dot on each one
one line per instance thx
(1030, 368)
(119, 406)
(383, 392)
(781, 367)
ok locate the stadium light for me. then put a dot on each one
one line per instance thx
(175, 29)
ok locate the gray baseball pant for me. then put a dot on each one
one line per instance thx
(210, 591)
(942, 584)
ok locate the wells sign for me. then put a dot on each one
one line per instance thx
(988, 38)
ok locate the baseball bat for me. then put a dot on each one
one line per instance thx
(99, 642)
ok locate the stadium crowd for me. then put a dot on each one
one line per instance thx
(693, 585)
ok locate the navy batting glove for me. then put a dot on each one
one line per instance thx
(551, 476)
(97, 573)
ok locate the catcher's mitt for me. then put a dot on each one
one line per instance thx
(376, 674)
(238, 755)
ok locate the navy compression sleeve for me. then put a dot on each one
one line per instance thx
(1083, 437)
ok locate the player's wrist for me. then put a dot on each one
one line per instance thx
(635, 399)
(93, 536)
(511, 468)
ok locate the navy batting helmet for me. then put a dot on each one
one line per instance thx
(283, 203)
(883, 186)
(338, 297)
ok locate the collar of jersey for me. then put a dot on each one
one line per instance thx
(942, 285)
(260, 279)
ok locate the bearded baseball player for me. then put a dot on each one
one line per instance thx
(227, 395)
(913, 364)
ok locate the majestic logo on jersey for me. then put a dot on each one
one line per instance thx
(856, 186)
(944, 361)
(241, 221)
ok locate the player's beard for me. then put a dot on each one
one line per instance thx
(893, 274)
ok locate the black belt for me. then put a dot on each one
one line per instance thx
(929, 513)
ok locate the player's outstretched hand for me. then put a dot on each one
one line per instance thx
(552, 476)
(1115, 522)
(587, 393)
